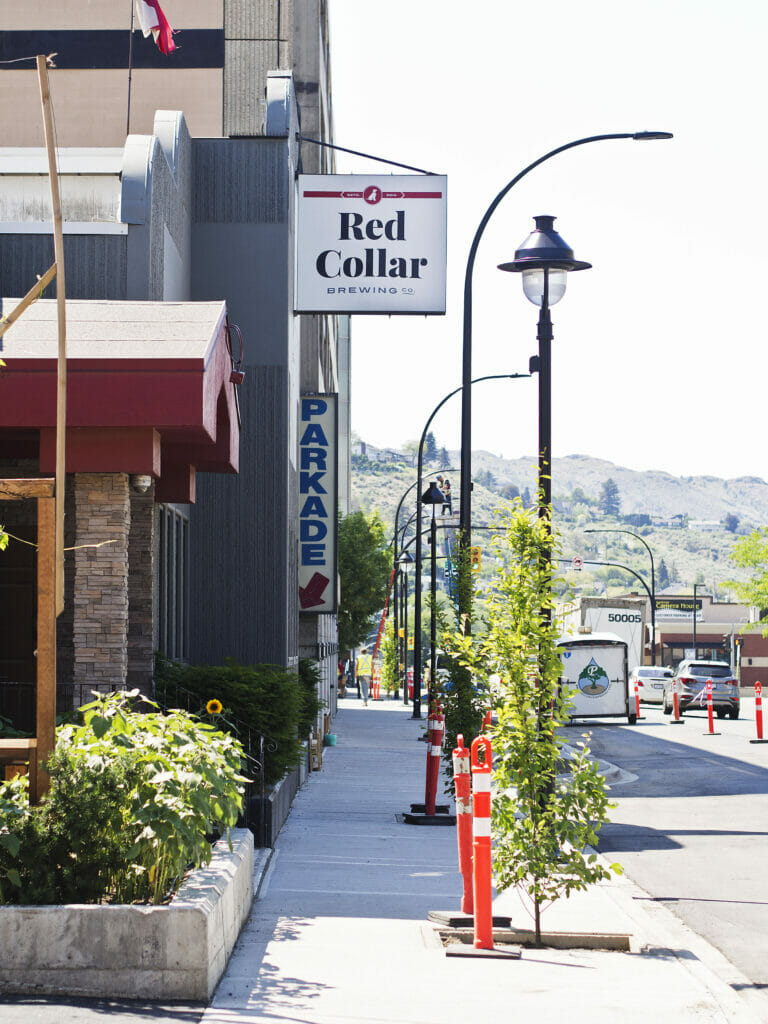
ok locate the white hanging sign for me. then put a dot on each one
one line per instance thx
(370, 244)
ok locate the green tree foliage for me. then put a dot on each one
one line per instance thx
(443, 460)
(511, 491)
(662, 573)
(430, 448)
(267, 699)
(364, 568)
(731, 522)
(751, 552)
(390, 674)
(486, 478)
(541, 820)
(610, 499)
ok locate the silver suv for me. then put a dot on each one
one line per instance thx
(691, 678)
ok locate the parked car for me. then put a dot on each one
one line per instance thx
(691, 678)
(650, 681)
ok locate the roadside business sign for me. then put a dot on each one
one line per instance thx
(318, 499)
(370, 243)
(678, 608)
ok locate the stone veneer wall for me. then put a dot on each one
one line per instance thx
(100, 621)
(141, 603)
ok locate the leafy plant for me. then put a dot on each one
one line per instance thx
(390, 674)
(310, 705)
(541, 823)
(135, 796)
(266, 699)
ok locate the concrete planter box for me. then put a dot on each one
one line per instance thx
(178, 951)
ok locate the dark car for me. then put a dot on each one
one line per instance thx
(691, 680)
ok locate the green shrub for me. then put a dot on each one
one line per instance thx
(311, 705)
(266, 699)
(134, 798)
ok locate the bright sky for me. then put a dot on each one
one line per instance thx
(659, 352)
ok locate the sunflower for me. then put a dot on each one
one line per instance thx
(214, 707)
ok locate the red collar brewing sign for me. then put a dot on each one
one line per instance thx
(317, 503)
(371, 244)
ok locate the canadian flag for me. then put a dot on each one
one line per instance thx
(152, 19)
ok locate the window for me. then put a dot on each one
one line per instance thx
(173, 603)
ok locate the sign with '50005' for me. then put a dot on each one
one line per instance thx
(371, 244)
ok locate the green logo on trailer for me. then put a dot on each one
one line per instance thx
(593, 680)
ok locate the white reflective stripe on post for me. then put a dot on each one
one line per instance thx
(463, 806)
(460, 765)
(481, 827)
(481, 782)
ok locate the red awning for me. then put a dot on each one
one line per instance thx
(148, 390)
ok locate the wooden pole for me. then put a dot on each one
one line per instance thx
(46, 642)
(61, 368)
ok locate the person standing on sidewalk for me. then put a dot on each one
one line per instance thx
(364, 673)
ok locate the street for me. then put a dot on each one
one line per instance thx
(690, 829)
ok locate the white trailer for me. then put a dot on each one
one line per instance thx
(595, 672)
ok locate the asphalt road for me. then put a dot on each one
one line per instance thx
(692, 828)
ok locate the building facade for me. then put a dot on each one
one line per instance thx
(194, 205)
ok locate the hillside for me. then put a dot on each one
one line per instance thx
(689, 555)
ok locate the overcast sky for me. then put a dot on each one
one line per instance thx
(659, 355)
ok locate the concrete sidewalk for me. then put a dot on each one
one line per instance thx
(339, 931)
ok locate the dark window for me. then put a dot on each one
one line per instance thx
(174, 584)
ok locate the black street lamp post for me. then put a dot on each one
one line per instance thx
(432, 496)
(465, 489)
(544, 260)
(406, 561)
(653, 581)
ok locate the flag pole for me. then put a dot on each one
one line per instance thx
(130, 72)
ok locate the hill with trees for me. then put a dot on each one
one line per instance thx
(690, 523)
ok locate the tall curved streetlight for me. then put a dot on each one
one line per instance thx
(417, 591)
(465, 487)
(652, 595)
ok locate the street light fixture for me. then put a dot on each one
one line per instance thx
(544, 260)
(465, 492)
(653, 581)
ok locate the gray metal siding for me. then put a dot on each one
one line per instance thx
(242, 182)
(239, 539)
(95, 264)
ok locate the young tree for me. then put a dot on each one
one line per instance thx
(364, 569)
(663, 575)
(610, 500)
(540, 823)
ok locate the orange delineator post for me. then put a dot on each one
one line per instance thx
(759, 708)
(709, 708)
(481, 843)
(434, 752)
(676, 701)
(462, 781)
(637, 700)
